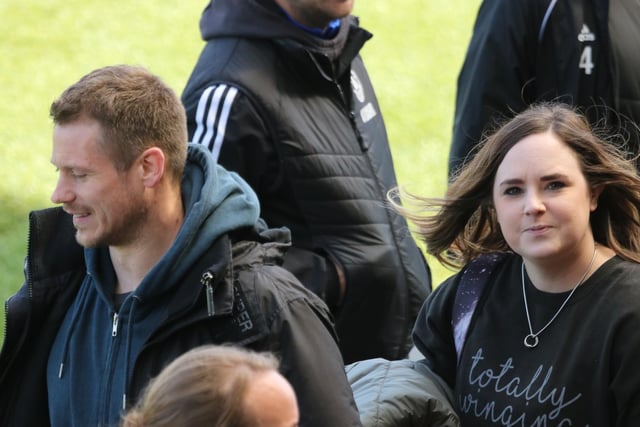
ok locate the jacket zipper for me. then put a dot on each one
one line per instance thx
(105, 391)
(114, 329)
(207, 281)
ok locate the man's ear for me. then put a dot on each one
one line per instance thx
(152, 166)
(595, 195)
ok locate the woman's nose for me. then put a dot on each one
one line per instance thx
(533, 203)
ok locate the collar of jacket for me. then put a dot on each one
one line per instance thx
(330, 62)
(207, 291)
(53, 254)
(213, 291)
(52, 249)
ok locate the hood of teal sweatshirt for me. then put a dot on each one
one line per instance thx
(216, 201)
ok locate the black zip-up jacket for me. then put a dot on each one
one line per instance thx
(297, 117)
(256, 304)
(527, 51)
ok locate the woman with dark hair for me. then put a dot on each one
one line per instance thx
(552, 213)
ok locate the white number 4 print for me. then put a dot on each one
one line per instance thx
(586, 61)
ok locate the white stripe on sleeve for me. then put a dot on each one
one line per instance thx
(212, 116)
(202, 104)
(222, 123)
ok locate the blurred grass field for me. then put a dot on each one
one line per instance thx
(413, 58)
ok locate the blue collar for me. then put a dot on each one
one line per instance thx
(325, 33)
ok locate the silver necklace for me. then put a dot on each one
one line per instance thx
(531, 340)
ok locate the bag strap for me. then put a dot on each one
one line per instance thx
(472, 283)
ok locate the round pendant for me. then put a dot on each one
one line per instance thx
(530, 341)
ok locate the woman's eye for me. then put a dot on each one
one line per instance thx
(556, 185)
(512, 191)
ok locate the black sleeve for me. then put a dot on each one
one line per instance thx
(229, 123)
(309, 356)
(433, 334)
(497, 72)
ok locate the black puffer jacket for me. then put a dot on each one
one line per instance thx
(527, 51)
(297, 117)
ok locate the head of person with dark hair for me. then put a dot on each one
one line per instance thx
(468, 220)
(218, 386)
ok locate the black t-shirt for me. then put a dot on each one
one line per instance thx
(584, 371)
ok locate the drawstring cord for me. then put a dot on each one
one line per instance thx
(72, 327)
(127, 349)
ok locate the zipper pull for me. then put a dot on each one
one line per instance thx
(114, 330)
(207, 279)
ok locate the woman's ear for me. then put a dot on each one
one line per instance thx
(595, 195)
(152, 166)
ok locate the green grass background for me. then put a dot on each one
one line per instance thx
(413, 58)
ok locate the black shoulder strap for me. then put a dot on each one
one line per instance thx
(472, 283)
